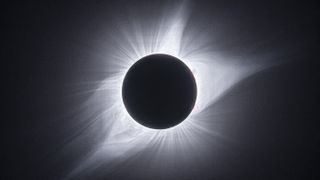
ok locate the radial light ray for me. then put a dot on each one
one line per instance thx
(120, 137)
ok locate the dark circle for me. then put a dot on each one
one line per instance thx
(159, 91)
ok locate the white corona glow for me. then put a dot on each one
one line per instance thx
(120, 136)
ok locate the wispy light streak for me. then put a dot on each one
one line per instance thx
(121, 136)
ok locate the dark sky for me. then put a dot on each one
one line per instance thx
(46, 50)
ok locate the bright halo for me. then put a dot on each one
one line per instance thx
(120, 137)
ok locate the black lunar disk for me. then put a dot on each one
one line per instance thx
(159, 91)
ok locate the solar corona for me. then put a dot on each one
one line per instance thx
(163, 78)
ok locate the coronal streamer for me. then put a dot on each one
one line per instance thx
(120, 136)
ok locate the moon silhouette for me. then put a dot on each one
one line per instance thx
(159, 91)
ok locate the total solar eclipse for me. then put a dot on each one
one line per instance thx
(159, 91)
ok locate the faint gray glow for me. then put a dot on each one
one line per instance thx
(122, 136)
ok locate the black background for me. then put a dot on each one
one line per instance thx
(47, 46)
